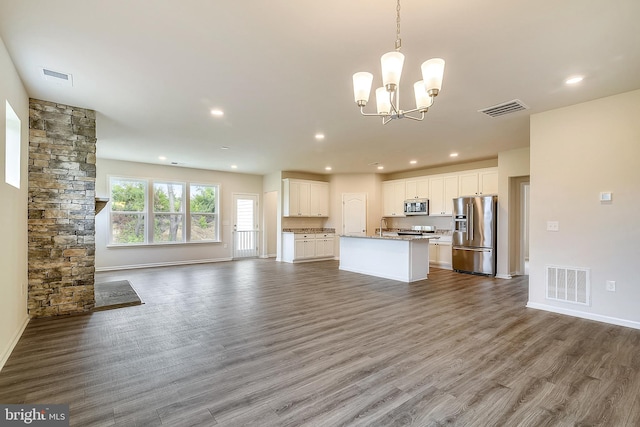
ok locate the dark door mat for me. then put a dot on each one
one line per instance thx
(115, 294)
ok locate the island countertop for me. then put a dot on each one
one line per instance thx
(406, 237)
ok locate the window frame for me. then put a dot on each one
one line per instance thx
(144, 213)
(149, 213)
(155, 214)
(215, 215)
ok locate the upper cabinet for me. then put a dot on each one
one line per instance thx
(319, 198)
(442, 190)
(477, 183)
(393, 197)
(302, 198)
(417, 188)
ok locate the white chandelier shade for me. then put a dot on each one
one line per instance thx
(391, 64)
(387, 96)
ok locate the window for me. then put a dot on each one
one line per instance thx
(168, 212)
(128, 208)
(12, 148)
(157, 212)
(203, 206)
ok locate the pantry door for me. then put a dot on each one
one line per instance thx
(354, 214)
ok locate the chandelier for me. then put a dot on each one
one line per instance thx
(388, 96)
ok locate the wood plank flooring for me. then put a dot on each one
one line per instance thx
(256, 342)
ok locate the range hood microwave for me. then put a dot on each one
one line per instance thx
(416, 207)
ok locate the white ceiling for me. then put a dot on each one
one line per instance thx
(281, 70)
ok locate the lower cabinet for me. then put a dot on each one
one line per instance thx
(440, 254)
(298, 247)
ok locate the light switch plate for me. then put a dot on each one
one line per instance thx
(606, 196)
(611, 285)
(553, 226)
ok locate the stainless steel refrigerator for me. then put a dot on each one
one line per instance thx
(475, 234)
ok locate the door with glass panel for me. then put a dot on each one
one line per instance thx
(245, 225)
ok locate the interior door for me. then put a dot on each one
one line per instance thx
(245, 225)
(354, 214)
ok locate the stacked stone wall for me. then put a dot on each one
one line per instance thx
(61, 227)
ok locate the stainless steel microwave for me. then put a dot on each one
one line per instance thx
(416, 207)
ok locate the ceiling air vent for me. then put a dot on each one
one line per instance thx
(504, 108)
(57, 77)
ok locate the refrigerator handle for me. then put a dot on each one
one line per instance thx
(469, 222)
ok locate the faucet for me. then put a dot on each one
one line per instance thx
(382, 221)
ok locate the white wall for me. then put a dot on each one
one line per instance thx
(13, 215)
(129, 257)
(576, 153)
(512, 163)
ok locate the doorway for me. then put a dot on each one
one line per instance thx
(354, 214)
(519, 225)
(245, 225)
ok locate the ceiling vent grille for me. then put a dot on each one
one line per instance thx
(57, 77)
(568, 284)
(504, 108)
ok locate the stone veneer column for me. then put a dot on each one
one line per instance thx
(61, 230)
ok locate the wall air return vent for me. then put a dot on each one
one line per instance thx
(504, 108)
(57, 77)
(568, 284)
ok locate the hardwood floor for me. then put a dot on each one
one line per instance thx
(257, 342)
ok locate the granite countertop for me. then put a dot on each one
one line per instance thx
(425, 238)
(308, 230)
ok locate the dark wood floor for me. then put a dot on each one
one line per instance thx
(262, 343)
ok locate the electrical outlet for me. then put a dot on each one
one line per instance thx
(553, 226)
(611, 285)
(224, 246)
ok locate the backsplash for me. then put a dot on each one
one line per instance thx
(441, 222)
(288, 222)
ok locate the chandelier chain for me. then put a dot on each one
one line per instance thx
(398, 39)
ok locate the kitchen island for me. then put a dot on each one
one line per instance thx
(403, 258)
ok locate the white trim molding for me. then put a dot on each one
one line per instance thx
(161, 264)
(585, 315)
(7, 352)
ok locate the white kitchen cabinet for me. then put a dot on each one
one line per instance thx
(302, 198)
(488, 182)
(440, 254)
(442, 190)
(324, 245)
(417, 188)
(298, 247)
(319, 199)
(479, 182)
(393, 197)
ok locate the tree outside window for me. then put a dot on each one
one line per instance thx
(128, 206)
(203, 209)
(168, 212)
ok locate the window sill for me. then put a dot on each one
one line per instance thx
(148, 245)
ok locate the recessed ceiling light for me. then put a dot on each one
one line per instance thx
(380, 168)
(234, 166)
(224, 147)
(328, 168)
(413, 162)
(453, 155)
(216, 112)
(162, 158)
(574, 80)
(319, 136)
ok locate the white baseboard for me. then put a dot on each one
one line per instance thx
(585, 315)
(7, 352)
(504, 276)
(161, 264)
